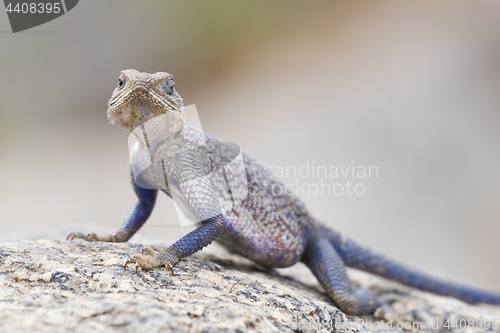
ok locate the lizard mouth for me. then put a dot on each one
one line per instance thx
(136, 91)
(134, 107)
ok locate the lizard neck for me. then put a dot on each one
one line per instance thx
(168, 135)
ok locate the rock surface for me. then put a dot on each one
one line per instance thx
(59, 286)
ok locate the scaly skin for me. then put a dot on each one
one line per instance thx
(269, 226)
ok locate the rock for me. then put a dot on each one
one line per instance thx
(59, 286)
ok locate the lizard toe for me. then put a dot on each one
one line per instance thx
(75, 235)
(149, 251)
(91, 237)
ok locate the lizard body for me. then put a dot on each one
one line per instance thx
(269, 226)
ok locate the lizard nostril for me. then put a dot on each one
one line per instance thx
(140, 90)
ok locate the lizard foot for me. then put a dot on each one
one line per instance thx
(91, 237)
(149, 259)
(385, 312)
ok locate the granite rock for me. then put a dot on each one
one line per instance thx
(60, 286)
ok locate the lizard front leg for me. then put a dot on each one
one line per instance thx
(187, 245)
(198, 194)
(133, 221)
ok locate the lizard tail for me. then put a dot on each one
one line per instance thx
(356, 256)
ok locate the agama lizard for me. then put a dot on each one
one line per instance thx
(272, 228)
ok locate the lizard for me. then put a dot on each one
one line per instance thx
(272, 228)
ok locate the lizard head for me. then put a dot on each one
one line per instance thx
(140, 97)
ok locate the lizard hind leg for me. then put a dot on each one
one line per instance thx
(325, 263)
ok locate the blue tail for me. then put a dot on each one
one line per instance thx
(358, 257)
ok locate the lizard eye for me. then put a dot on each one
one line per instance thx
(169, 87)
(121, 83)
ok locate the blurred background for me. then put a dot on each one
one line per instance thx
(410, 87)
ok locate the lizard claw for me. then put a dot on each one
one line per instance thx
(75, 235)
(136, 266)
(91, 237)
